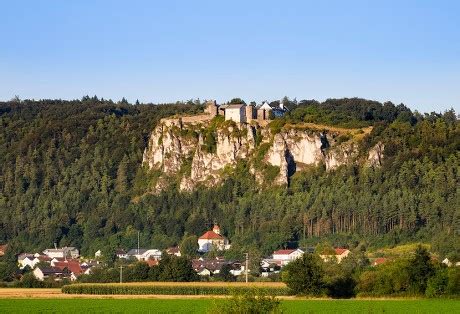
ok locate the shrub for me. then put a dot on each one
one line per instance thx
(437, 285)
(453, 285)
(248, 302)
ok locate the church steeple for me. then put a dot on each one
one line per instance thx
(216, 228)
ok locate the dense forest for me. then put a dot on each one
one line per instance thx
(71, 173)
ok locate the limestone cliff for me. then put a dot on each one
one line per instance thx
(202, 152)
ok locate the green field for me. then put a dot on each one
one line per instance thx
(201, 305)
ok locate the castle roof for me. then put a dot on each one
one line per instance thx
(235, 106)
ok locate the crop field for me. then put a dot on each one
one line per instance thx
(202, 305)
(173, 288)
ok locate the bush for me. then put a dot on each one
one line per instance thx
(341, 287)
(437, 285)
(453, 285)
(247, 302)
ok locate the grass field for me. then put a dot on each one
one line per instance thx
(201, 306)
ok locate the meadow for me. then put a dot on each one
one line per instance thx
(202, 305)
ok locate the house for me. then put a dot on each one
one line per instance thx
(175, 250)
(212, 266)
(120, 253)
(26, 259)
(213, 240)
(379, 261)
(42, 273)
(236, 113)
(267, 111)
(57, 260)
(447, 262)
(62, 252)
(3, 248)
(144, 254)
(152, 262)
(207, 267)
(270, 266)
(340, 253)
(287, 255)
(98, 254)
(71, 266)
(203, 272)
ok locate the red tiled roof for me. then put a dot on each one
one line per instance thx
(44, 258)
(340, 251)
(72, 266)
(173, 250)
(283, 252)
(379, 260)
(211, 235)
(3, 248)
(152, 262)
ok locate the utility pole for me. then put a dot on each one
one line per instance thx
(121, 273)
(138, 237)
(247, 263)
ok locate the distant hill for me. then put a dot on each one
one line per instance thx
(71, 172)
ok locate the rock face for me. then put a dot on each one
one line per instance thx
(375, 156)
(178, 150)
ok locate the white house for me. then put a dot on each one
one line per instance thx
(175, 250)
(41, 273)
(204, 272)
(121, 253)
(286, 256)
(340, 254)
(213, 240)
(144, 254)
(62, 252)
(26, 259)
(236, 113)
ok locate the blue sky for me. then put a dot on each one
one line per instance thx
(161, 51)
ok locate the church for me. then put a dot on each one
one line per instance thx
(213, 240)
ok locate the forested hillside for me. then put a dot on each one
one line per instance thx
(70, 173)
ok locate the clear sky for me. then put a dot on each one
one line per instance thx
(162, 51)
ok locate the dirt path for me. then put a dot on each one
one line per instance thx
(26, 293)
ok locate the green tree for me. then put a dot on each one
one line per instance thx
(420, 270)
(189, 246)
(173, 268)
(237, 101)
(225, 274)
(304, 276)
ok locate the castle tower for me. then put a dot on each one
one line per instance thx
(250, 113)
(216, 228)
(211, 108)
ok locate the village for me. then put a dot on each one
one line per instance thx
(67, 264)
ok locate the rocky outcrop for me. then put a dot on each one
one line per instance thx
(375, 156)
(178, 150)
